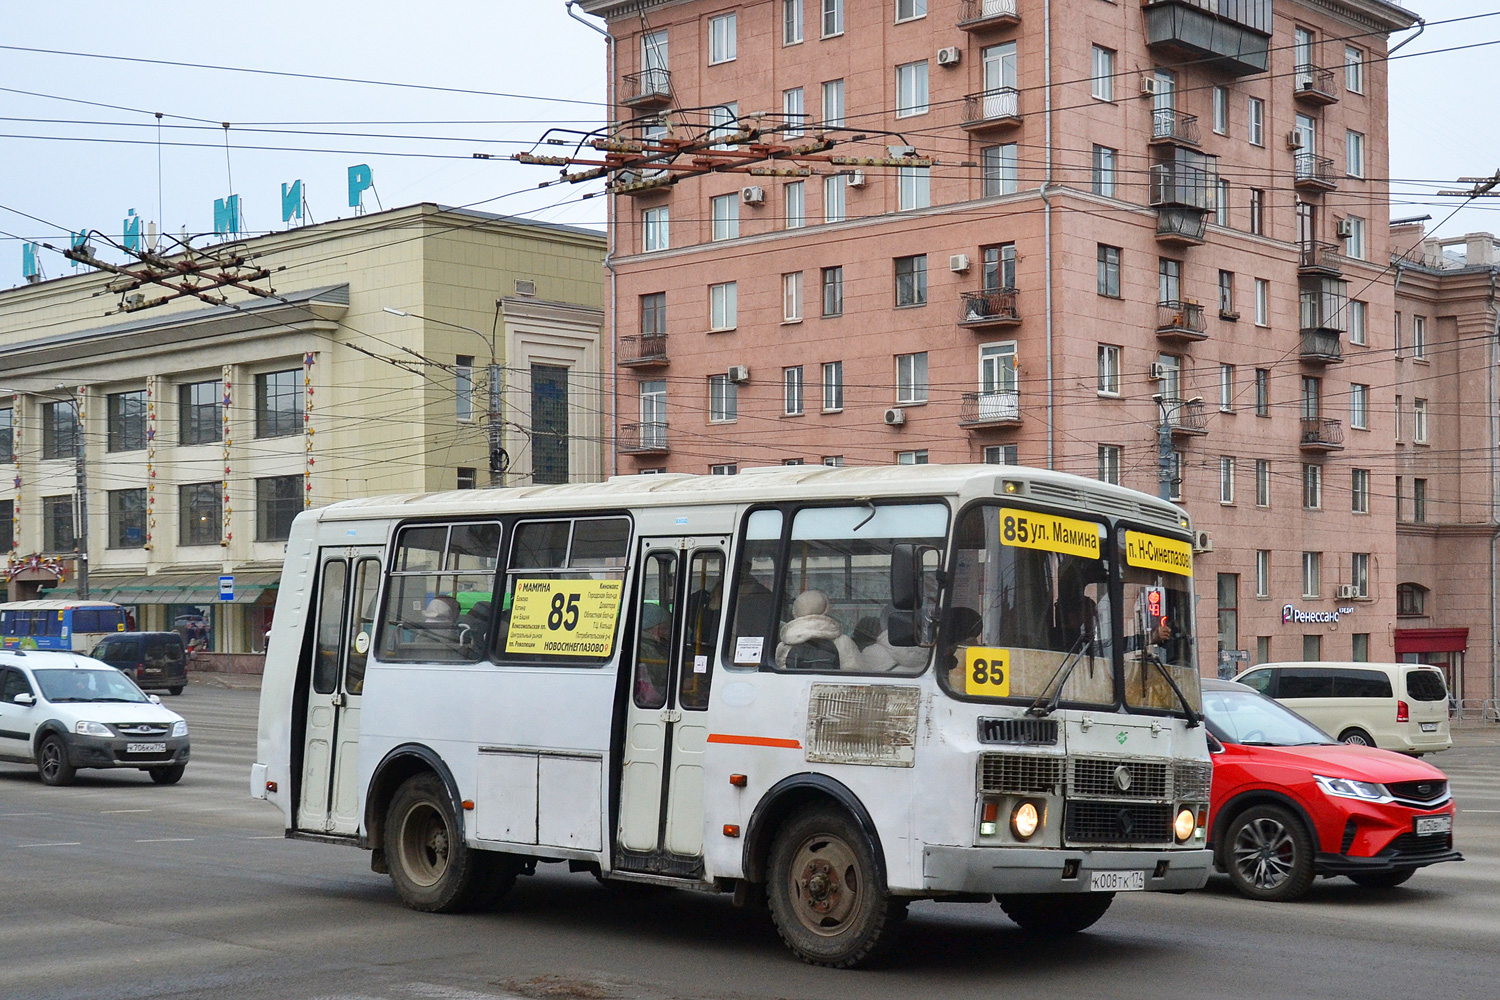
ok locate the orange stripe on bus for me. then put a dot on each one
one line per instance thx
(754, 741)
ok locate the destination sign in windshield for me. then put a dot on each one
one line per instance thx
(1028, 529)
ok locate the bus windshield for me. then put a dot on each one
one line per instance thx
(1158, 604)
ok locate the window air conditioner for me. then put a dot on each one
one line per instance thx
(1202, 542)
(1158, 371)
(1344, 228)
(950, 56)
(895, 417)
(753, 195)
(959, 263)
(1295, 139)
(856, 178)
(1348, 591)
(739, 374)
(1148, 86)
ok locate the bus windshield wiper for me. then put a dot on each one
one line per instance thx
(1043, 707)
(1193, 718)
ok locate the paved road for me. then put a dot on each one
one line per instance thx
(118, 888)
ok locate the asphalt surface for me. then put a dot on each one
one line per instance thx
(122, 889)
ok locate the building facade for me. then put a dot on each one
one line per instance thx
(1151, 246)
(199, 430)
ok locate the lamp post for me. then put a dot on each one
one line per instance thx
(1166, 410)
(496, 426)
(81, 488)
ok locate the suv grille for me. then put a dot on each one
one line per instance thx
(1409, 846)
(140, 729)
(1019, 774)
(1192, 780)
(1136, 779)
(1040, 732)
(1419, 791)
(1119, 823)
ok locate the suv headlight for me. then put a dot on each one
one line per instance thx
(179, 728)
(84, 728)
(1348, 788)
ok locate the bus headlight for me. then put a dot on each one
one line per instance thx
(1184, 825)
(1025, 820)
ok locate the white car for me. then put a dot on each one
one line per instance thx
(64, 711)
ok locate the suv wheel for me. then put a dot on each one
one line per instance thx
(1269, 854)
(52, 762)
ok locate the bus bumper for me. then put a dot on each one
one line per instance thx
(1036, 870)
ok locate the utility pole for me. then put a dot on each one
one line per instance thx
(1163, 450)
(81, 536)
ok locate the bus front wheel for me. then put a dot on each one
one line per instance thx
(825, 891)
(431, 866)
(1053, 914)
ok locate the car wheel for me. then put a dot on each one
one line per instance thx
(169, 775)
(1356, 736)
(826, 896)
(1269, 854)
(1056, 914)
(431, 866)
(52, 762)
(175, 689)
(1383, 880)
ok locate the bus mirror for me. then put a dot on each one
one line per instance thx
(901, 629)
(906, 593)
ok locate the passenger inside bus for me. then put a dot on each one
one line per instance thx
(881, 657)
(813, 640)
(652, 657)
(1075, 615)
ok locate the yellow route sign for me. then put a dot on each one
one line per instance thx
(1028, 529)
(1165, 555)
(564, 617)
(987, 672)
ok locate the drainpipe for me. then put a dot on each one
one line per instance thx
(1421, 27)
(1494, 493)
(609, 256)
(1047, 223)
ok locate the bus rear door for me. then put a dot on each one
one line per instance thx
(344, 630)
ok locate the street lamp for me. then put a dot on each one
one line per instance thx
(496, 428)
(1166, 410)
(81, 487)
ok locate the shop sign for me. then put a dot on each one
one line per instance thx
(1291, 615)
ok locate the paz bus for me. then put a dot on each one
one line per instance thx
(59, 624)
(833, 691)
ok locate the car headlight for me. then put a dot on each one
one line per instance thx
(1348, 788)
(84, 728)
(179, 728)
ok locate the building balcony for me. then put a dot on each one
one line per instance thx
(1321, 434)
(1184, 227)
(1168, 125)
(1186, 184)
(647, 351)
(643, 439)
(983, 310)
(1314, 85)
(992, 110)
(1314, 173)
(1185, 417)
(1231, 36)
(1180, 321)
(1316, 259)
(650, 88)
(1000, 408)
(989, 15)
(1321, 347)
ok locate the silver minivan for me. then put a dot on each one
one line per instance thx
(1394, 706)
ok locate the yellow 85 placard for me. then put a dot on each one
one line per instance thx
(987, 672)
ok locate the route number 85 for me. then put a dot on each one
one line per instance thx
(564, 612)
(987, 672)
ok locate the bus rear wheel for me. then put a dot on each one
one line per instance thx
(1055, 914)
(825, 891)
(431, 866)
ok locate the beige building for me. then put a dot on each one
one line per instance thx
(206, 428)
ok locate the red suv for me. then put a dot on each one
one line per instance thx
(1290, 803)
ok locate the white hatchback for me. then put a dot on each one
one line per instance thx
(65, 711)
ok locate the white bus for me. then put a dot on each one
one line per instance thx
(837, 690)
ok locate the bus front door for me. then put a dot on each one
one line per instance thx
(677, 614)
(344, 630)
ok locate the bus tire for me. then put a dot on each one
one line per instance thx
(825, 892)
(1056, 913)
(432, 868)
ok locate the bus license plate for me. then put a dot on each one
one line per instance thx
(1118, 881)
(1429, 727)
(145, 748)
(1427, 825)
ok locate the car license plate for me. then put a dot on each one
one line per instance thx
(145, 748)
(1429, 727)
(1426, 825)
(1117, 881)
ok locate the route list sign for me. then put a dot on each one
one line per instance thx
(564, 617)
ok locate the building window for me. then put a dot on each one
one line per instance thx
(200, 513)
(791, 22)
(1400, 499)
(1104, 171)
(833, 386)
(723, 306)
(1354, 70)
(1312, 648)
(1419, 501)
(1396, 329)
(913, 188)
(463, 387)
(7, 442)
(127, 519)
(911, 89)
(918, 457)
(998, 166)
(653, 407)
(60, 438)
(722, 41)
(833, 96)
(726, 469)
(1359, 573)
(1000, 454)
(1226, 295)
(723, 122)
(127, 421)
(1400, 419)
(1256, 123)
(466, 477)
(1312, 574)
(1411, 600)
(549, 424)
(1262, 392)
(723, 400)
(907, 10)
(57, 524)
(1226, 388)
(1359, 321)
(1226, 479)
(1228, 586)
(1419, 337)
(791, 379)
(1419, 421)
(1262, 572)
(1359, 489)
(1221, 109)
(999, 267)
(791, 297)
(1354, 153)
(654, 229)
(278, 404)
(1354, 243)
(911, 377)
(1168, 281)
(7, 525)
(1359, 406)
(834, 461)
(1109, 464)
(796, 204)
(1257, 212)
(1262, 482)
(654, 314)
(1312, 397)
(1312, 487)
(911, 280)
(835, 189)
(833, 291)
(1262, 302)
(1109, 370)
(724, 211)
(1102, 83)
(278, 500)
(1221, 204)
(1109, 271)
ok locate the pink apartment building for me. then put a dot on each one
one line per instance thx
(1146, 221)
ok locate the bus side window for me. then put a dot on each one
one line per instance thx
(753, 622)
(330, 620)
(653, 648)
(705, 602)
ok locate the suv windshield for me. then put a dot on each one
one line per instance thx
(87, 685)
(1255, 720)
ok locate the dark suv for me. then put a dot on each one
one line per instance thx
(151, 659)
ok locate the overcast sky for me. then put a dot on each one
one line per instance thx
(56, 165)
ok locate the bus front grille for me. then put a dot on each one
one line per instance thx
(1132, 823)
(1019, 774)
(1113, 777)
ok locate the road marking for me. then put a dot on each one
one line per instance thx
(166, 840)
(16, 815)
(70, 843)
(1496, 811)
(114, 812)
(281, 836)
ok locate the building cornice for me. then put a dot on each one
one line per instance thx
(1369, 13)
(612, 9)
